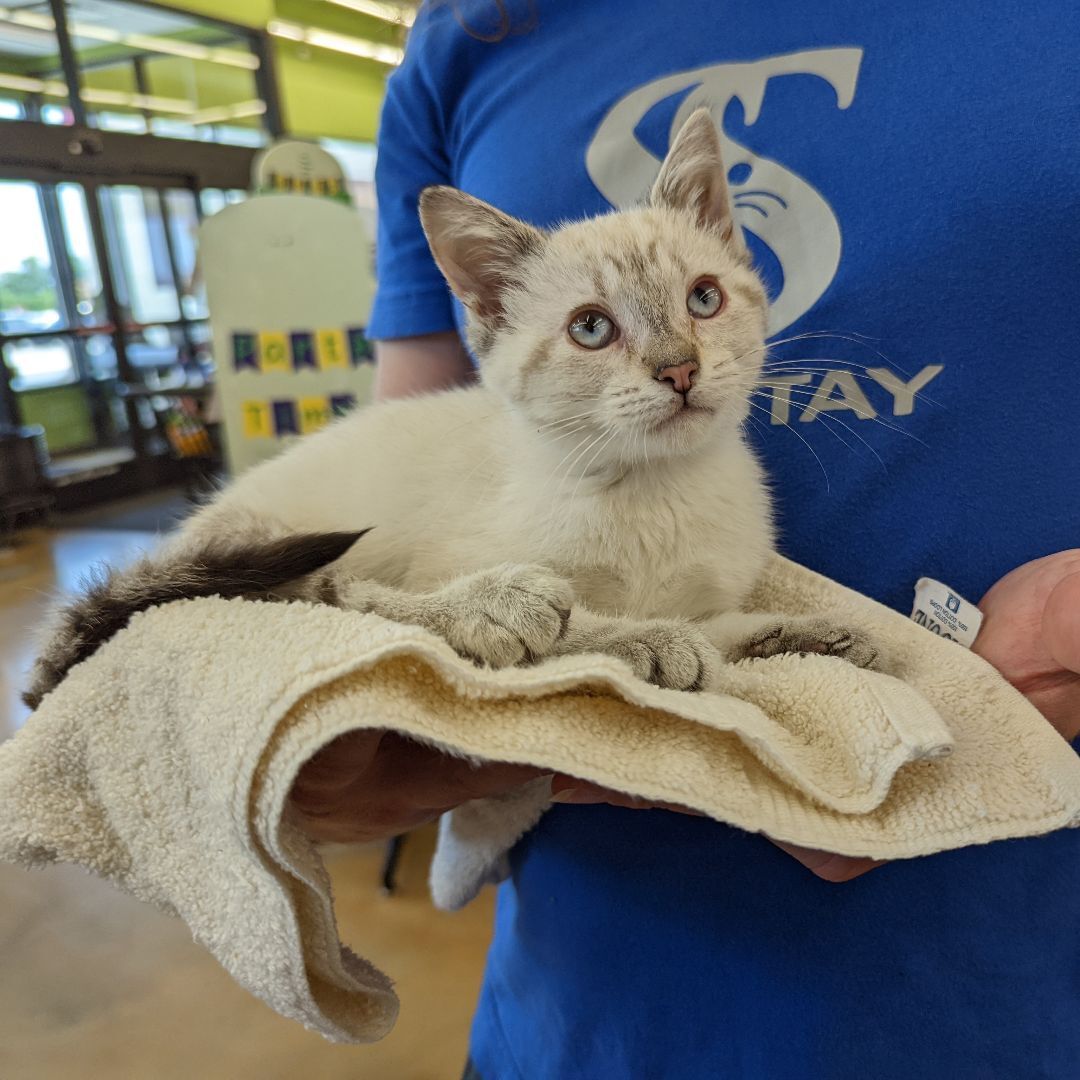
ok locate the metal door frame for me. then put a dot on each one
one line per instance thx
(52, 154)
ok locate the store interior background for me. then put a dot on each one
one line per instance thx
(122, 127)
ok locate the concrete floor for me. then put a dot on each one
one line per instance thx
(94, 984)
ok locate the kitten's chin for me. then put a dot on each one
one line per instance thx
(690, 429)
(683, 431)
(683, 417)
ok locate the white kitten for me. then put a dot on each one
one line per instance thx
(601, 464)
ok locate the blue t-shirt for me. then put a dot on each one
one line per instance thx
(908, 176)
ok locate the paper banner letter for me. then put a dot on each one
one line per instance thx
(256, 416)
(244, 352)
(340, 404)
(285, 422)
(332, 349)
(360, 350)
(314, 414)
(303, 351)
(273, 352)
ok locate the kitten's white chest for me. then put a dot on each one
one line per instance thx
(690, 548)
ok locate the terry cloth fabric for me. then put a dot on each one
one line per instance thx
(164, 762)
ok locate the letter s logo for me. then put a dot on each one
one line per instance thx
(788, 214)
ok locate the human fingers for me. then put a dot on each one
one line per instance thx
(372, 785)
(570, 789)
(827, 865)
(1061, 622)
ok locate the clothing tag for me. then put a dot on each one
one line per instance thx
(944, 613)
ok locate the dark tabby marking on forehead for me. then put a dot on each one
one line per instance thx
(642, 265)
(627, 265)
(650, 269)
(535, 360)
(253, 570)
(596, 276)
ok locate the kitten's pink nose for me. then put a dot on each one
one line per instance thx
(680, 376)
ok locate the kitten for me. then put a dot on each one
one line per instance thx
(595, 493)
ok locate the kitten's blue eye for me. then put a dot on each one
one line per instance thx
(592, 329)
(705, 300)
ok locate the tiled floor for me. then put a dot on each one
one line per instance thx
(95, 985)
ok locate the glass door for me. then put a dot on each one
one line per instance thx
(150, 237)
(53, 324)
(102, 310)
(121, 125)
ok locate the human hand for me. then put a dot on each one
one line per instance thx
(371, 785)
(1030, 633)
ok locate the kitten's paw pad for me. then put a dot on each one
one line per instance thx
(820, 636)
(671, 655)
(509, 615)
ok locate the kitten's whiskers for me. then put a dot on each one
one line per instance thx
(766, 412)
(613, 431)
(555, 472)
(565, 420)
(573, 431)
(577, 453)
(858, 339)
(835, 434)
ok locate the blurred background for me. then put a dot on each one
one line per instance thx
(124, 127)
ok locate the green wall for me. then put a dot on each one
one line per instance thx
(325, 93)
(322, 92)
(248, 12)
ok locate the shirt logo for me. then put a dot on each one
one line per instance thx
(782, 209)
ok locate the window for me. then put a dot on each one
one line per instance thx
(32, 84)
(166, 73)
(102, 304)
(143, 69)
(86, 274)
(138, 254)
(29, 294)
(38, 362)
(211, 200)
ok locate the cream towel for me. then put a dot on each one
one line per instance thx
(163, 763)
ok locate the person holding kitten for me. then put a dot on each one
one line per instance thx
(920, 239)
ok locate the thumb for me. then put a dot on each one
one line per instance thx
(1061, 623)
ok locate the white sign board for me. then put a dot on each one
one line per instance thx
(289, 284)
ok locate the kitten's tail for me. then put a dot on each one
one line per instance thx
(224, 569)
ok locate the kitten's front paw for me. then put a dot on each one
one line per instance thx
(812, 635)
(672, 654)
(506, 616)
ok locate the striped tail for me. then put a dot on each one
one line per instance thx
(252, 569)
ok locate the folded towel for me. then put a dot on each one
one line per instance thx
(163, 763)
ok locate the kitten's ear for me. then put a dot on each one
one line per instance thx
(693, 177)
(479, 249)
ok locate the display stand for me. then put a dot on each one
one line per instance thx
(289, 284)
